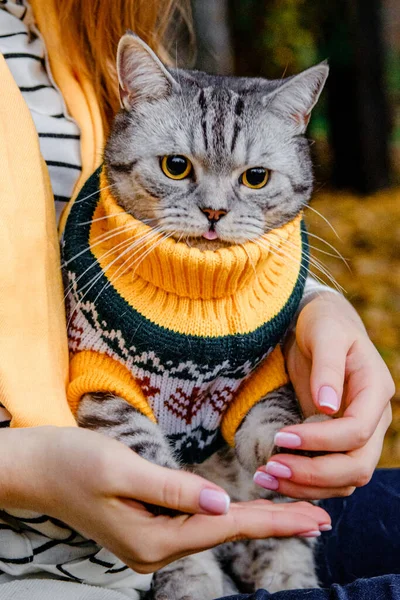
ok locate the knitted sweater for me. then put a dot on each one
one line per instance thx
(189, 338)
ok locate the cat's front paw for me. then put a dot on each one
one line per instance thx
(254, 440)
(196, 577)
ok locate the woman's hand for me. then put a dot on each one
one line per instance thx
(336, 370)
(97, 486)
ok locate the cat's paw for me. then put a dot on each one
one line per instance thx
(254, 440)
(290, 565)
(197, 577)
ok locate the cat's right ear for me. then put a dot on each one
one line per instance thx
(141, 74)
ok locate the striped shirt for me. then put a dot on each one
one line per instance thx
(59, 136)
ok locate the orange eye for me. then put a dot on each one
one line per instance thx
(255, 178)
(176, 166)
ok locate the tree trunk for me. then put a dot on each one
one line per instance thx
(357, 104)
(214, 53)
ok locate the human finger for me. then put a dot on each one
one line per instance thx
(327, 472)
(323, 476)
(175, 489)
(306, 508)
(325, 339)
(344, 434)
(161, 540)
(241, 522)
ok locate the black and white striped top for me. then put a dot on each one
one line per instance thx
(25, 54)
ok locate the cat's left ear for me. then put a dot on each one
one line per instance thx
(141, 74)
(295, 98)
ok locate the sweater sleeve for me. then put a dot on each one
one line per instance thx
(33, 343)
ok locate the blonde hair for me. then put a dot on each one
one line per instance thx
(91, 30)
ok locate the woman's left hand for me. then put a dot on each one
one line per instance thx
(336, 370)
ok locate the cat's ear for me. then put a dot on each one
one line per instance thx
(295, 98)
(141, 74)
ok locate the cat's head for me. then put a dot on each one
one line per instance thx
(204, 157)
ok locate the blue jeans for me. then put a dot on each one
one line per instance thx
(360, 558)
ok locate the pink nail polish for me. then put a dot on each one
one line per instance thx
(325, 527)
(214, 502)
(310, 534)
(328, 398)
(278, 469)
(266, 481)
(287, 440)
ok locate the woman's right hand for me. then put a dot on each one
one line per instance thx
(97, 485)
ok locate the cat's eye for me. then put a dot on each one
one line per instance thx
(176, 166)
(255, 178)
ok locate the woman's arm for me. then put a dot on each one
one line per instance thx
(97, 486)
(336, 370)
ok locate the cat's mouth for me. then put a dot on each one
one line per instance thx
(210, 235)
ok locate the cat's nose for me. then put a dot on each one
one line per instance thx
(213, 215)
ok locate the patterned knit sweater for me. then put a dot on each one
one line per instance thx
(190, 338)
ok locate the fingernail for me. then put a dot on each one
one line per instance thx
(266, 481)
(287, 440)
(310, 534)
(278, 469)
(214, 502)
(328, 398)
(325, 527)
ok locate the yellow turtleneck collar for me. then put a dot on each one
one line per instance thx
(262, 273)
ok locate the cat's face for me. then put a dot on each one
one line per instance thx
(209, 160)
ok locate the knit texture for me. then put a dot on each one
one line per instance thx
(190, 338)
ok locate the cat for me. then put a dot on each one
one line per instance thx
(215, 164)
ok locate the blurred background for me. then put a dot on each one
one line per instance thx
(356, 133)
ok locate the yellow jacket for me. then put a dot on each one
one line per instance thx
(33, 340)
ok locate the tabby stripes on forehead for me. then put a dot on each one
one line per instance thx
(238, 122)
(221, 109)
(203, 106)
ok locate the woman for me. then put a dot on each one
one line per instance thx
(39, 465)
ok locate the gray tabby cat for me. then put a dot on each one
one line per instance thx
(225, 125)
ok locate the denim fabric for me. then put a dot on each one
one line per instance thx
(386, 587)
(360, 558)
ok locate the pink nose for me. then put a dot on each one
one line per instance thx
(213, 215)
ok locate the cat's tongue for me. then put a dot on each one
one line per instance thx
(210, 235)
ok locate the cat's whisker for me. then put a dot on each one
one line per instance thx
(324, 219)
(316, 249)
(318, 265)
(277, 251)
(94, 193)
(94, 280)
(99, 219)
(129, 264)
(104, 237)
(332, 247)
(145, 221)
(115, 231)
(250, 260)
(145, 239)
(291, 258)
(100, 258)
(165, 237)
